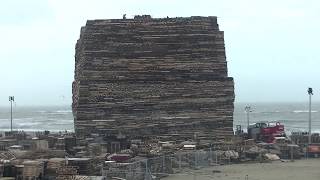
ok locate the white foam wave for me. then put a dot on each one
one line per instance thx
(303, 111)
(266, 112)
(61, 112)
(64, 111)
(55, 112)
(22, 119)
(27, 124)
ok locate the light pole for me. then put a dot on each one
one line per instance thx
(310, 94)
(11, 99)
(248, 110)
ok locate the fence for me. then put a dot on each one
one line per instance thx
(161, 166)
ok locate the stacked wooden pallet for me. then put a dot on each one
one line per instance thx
(32, 169)
(54, 164)
(66, 173)
(147, 76)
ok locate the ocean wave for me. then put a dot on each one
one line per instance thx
(303, 111)
(267, 112)
(60, 112)
(36, 130)
(55, 112)
(54, 119)
(22, 119)
(64, 111)
(27, 124)
(61, 124)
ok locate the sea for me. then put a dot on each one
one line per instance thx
(294, 116)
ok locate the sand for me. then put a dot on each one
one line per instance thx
(276, 170)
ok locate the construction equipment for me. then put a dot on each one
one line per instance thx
(266, 131)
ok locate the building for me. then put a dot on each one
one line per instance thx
(152, 76)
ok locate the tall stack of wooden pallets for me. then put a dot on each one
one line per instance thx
(149, 76)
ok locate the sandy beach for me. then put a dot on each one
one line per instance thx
(297, 170)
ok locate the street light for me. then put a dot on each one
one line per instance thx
(310, 94)
(11, 99)
(248, 110)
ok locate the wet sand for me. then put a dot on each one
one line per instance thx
(276, 170)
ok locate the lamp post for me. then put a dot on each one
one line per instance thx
(248, 110)
(11, 99)
(310, 94)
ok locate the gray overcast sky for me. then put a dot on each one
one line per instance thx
(272, 46)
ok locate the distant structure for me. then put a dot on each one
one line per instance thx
(11, 99)
(152, 76)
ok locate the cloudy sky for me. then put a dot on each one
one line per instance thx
(272, 46)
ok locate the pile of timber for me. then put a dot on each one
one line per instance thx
(66, 172)
(32, 169)
(152, 76)
(54, 164)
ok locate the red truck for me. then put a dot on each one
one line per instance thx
(266, 131)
